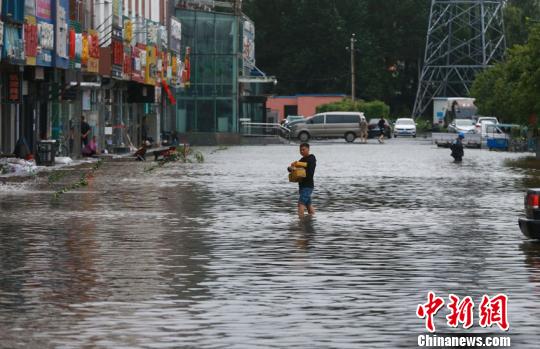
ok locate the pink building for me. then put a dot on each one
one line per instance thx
(303, 104)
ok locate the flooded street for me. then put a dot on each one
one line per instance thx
(212, 255)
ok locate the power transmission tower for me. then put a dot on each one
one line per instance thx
(463, 38)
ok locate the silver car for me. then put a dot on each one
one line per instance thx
(329, 125)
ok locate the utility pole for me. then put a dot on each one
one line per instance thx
(353, 72)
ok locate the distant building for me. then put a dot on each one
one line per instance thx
(301, 104)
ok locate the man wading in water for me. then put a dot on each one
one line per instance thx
(306, 185)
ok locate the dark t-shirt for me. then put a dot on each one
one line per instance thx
(310, 171)
(84, 127)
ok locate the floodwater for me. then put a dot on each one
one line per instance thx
(212, 255)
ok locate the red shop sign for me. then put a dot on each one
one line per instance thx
(14, 87)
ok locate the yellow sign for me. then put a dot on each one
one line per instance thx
(128, 30)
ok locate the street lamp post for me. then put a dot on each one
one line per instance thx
(353, 71)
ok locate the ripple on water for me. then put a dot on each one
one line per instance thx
(212, 255)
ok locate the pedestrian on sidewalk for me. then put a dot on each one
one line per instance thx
(306, 185)
(363, 129)
(382, 128)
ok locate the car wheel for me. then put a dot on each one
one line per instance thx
(414, 136)
(395, 135)
(349, 137)
(303, 136)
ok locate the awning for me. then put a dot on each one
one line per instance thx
(257, 76)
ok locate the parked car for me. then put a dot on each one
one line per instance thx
(329, 125)
(291, 118)
(405, 127)
(374, 131)
(484, 119)
(462, 125)
(530, 225)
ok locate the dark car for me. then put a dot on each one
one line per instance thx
(530, 225)
(374, 131)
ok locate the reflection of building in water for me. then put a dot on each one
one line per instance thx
(187, 241)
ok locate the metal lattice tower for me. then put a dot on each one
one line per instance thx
(464, 37)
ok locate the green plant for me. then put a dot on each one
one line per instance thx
(180, 154)
(82, 182)
(372, 110)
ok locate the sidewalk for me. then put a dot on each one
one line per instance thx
(27, 170)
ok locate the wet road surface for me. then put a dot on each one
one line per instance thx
(212, 255)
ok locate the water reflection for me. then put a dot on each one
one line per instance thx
(213, 254)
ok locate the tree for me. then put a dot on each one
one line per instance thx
(510, 89)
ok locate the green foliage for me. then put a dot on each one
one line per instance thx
(510, 89)
(82, 182)
(373, 109)
(423, 125)
(180, 154)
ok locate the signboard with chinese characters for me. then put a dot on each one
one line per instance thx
(29, 8)
(14, 88)
(44, 9)
(1, 31)
(138, 66)
(248, 45)
(62, 42)
(30, 39)
(117, 13)
(176, 35)
(45, 30)
(93, 52)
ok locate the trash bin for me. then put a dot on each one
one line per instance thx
(45, 153)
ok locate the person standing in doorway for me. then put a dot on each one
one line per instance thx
(306, 185)
(85, 132)
(382, 128)
(363, 129)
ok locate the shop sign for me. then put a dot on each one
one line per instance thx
(152, 33)
(163, 37)
(128, 70)
(1, 32)
(46, 35)
(13, 44)
(128, 30)
(62, 29)
(14, 89)
(84, 49)
(44, 9)
(117, 52)
(117, 13)
(93, 52)
(137, 67)
(29, 7)
(72, 43)
(176, 35)
(78, 45)
(248, 50)
(30, 40)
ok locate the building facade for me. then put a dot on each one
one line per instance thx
(134, 69)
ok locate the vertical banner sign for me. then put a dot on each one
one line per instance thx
(30, 40)
(45, 29)
(248, 50)
(1, 33)
(93, 51)
(117, 13)
(176, 36)
(62, 10)
(14, 88)
(30, 32)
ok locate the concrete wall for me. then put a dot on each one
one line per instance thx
(307, 104)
